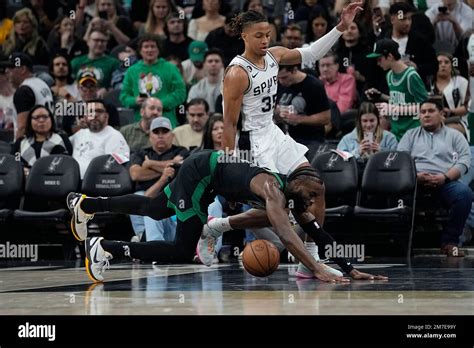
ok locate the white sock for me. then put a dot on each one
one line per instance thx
(312, 248)
(220, 224)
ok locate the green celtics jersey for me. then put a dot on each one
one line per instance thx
(406, 88)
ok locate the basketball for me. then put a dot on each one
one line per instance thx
(260, 258)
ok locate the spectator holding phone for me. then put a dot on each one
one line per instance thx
(451, 18)
(368, 137)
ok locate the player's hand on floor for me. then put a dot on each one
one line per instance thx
(330, 278)
(357, 275)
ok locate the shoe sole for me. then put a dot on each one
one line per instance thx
(304, 275)
(199, 256)
(73, 230)
(88, 263)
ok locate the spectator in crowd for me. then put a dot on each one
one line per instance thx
(6, 24)
(190, 135)
(441, 157)
(137, 134)
(64, 87)
(153, 77)
(307, 7)
(450, 18)
(30, 90)
(63, 40)
(176, 42)
(351, 50)
(340, 87)
(224, 39)
(151, 169)
(420, 23)
(209, 87)
(46, 12)
(199, 28)
(158, 11)
(213, 130)
(119, 28)
(292, 36)
(414, 50)
(139, 11)
(40, 139)
(127, 57)
(319, 24)
(24, 37)
(407, 90)
(193, 68)
(7, 107)
(98, 138)
(97, 61)
(453, 89)
(302, 104)
(368, 136)
(88, 87)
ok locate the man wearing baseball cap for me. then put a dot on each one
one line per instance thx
(30, 90)
(193, 68)
(407, 90)
(151, 169)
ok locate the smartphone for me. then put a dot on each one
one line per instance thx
(103, 15)
(443, 9)
(374, 95)
(369, 136)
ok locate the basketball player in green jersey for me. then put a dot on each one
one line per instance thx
(407, 90)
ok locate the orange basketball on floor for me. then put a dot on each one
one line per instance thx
(260, 258)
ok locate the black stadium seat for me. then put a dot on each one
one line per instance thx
(341, 182)
(388, 193)
(105, 177)
(11, 185)
(5, 147)
(50, 180)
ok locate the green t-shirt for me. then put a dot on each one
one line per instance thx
(405, 88)
(161, 80)
(102, 67)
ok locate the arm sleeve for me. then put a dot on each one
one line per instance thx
(319, 48)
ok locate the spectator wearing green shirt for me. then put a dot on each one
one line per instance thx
(153, 77)
(96, 60)
(407, 90)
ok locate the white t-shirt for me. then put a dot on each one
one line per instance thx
(7, 110)
(402, 43)
(88, 145)
(470, 50)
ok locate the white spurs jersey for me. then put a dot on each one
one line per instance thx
(260, 97)
(41, 91)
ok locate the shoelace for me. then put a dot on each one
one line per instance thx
(105, 264)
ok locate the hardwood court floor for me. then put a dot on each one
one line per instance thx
(427, 285)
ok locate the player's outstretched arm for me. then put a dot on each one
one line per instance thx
(275, 204)
(319, 48)
(236, 82)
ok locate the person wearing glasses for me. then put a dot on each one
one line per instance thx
(40, 139)
(98, 138)
(96, 60)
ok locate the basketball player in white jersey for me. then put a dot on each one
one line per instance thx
(30, 90)
(249, 96)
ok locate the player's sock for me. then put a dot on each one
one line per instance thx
(312, 248)
(92, 205)
(220, 225)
